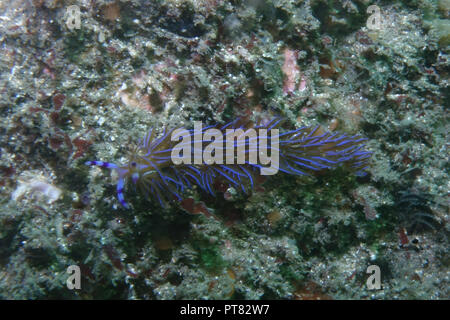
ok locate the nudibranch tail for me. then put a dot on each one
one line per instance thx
(309, 148)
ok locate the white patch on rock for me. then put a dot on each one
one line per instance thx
(35, 186)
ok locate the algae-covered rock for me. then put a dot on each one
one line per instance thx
(85, 81)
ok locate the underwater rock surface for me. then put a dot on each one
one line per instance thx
(83, 80)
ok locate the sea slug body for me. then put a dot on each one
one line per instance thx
(164, 167)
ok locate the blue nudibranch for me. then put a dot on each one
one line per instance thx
(301, 151)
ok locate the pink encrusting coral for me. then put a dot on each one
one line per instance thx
(291, 71)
